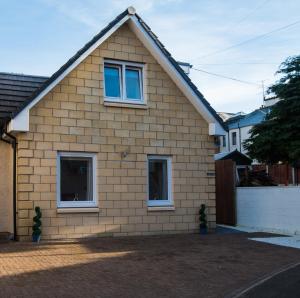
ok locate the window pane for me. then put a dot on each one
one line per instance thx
(76, 179)
(158, 179)
(133, 84)
(112, 81)
(234, 138)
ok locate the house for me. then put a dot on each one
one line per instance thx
(239, 126)
(118, 141)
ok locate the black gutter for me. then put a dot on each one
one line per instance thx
(13, 142)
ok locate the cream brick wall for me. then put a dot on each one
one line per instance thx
(73, 118)
(6, 188)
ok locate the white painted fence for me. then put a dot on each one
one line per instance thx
(273, 209)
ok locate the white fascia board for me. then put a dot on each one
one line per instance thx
(21, 121)
(214, 126)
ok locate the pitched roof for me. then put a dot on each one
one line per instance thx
(239, 158)
(15, 89)
(125, 14)
(250, 119)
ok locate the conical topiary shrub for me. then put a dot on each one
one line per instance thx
(202, 219)
(36, 228)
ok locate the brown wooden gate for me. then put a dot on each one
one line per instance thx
(225, 192)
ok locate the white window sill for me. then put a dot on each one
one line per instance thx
(125, 105)
(161, 208)
(78, 210)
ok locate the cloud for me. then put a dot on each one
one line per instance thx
(93, 13)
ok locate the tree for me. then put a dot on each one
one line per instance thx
(278, 137)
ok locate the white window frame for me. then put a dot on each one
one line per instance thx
(169, 201)
(76, 204)
(123, 92)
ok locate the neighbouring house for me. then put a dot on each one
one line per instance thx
(270, 101)
(239, 126)
(231, 145)
(118, 141)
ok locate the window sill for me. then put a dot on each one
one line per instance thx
(78, 210)
(125, 105)
(161, 208)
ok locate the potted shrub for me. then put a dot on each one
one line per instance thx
(202, 219)
(36, 228)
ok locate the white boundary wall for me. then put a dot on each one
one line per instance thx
(270, 209)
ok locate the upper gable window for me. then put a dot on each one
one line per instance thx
(123, 82)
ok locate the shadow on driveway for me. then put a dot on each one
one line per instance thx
(282, 285)
(211, 265)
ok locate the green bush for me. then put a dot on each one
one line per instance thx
(36, 228)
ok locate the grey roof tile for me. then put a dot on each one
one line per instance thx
(15, 89)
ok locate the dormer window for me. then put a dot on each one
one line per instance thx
(123, 82)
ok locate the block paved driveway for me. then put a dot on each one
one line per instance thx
(163, 266)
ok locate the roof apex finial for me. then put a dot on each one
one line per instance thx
(131, 10)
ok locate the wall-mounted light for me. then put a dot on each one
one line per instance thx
(124, 154)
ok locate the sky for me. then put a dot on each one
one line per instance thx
(38, 36)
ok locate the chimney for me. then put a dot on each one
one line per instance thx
(185, 67)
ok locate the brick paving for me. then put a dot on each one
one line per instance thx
(162, 266)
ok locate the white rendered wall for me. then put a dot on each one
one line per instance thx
(244, 131)
(244, 136)
(273, 209)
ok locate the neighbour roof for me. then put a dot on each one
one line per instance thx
(36, 92)
(250, 119)
(226, 115)
(15, 89)
(239, 158)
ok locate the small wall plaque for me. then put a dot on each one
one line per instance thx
(211, 174)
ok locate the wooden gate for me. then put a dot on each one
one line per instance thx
(225, 192)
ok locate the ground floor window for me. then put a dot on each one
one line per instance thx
(76, 179)
(159, 180)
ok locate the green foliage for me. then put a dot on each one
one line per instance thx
(278, 137)
(202, 217)
(36, 228)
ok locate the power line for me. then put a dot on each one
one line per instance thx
(240, 63)
(248, 40)
(249, 14)
(226, 77)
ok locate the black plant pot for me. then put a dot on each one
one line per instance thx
(203, 230)
(36, 238)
